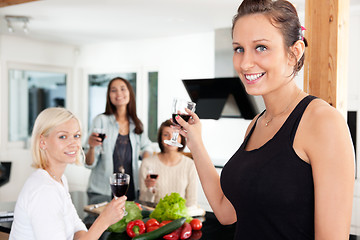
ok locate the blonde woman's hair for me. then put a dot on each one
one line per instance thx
(45, 122)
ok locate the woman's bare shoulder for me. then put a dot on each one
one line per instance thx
(323, 130)
(320, 115)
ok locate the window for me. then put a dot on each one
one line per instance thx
(30, 92)
(97, 91)
(153, 106)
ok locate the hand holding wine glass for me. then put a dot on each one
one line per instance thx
(179, 108)
(100, 134)
(119, 183)
(150, 182)
(191, 130)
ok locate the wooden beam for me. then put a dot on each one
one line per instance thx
(326, 61)
(5, 3)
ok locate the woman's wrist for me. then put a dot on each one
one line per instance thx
(102, 222)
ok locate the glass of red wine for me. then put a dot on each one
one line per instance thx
(178, 108)
(119, 183)
(152, 173)
(101, 134)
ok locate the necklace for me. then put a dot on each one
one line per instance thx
(268, 121)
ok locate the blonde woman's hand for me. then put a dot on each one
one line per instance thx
(191, 129)
(114, 211)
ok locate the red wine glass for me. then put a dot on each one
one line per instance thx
(119, 183)
(152, 173)
(101, 134)
(178, 108)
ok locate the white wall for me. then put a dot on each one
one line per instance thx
(354, 105)
(28, 54)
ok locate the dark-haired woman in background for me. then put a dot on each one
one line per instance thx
(293, 176)
(125, 141)
(176, 172)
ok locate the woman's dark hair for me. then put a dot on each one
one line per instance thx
(283, 15)
(168, 123)
(130, 108)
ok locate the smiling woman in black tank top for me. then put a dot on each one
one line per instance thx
(293, 176)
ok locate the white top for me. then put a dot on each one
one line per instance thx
(181, 178)
(44, 210)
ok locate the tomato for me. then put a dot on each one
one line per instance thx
(152, 228)
(196, 224)
(151, 223)
(163, 223)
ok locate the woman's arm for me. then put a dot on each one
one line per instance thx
(209, 178)
(329, 149)
(112, 213)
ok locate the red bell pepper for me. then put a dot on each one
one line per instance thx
(135, 228)
(185, 231)
(175, 235)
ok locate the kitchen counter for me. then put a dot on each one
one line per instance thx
(212, 229)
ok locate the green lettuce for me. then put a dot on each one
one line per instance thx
(133, 213)
(171, 207)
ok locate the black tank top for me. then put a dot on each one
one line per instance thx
(271, 188)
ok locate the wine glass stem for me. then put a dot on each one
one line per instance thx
(125, 212)
(175, 135)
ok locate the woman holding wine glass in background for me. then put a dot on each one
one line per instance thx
(175, 172)
(44, 209)
(293, 175)
(125, 140)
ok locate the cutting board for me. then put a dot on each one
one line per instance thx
(90, 209)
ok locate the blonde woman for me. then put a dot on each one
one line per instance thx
(44, 209)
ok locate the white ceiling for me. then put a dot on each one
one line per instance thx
(92, 21)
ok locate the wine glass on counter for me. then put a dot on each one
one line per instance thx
(178, 108)
(101, 134)
(119, 183)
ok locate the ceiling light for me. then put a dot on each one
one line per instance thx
(16, 20)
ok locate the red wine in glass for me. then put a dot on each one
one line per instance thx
(119, 190)
(119, 183)
(154, 175)
(186, 117)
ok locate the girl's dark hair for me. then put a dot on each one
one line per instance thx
(283, 15)
(168, 123)
(130, 108)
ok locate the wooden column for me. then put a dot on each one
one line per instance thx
(5, 3)
(326, 61)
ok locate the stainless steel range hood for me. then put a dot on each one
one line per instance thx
(224, 95)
